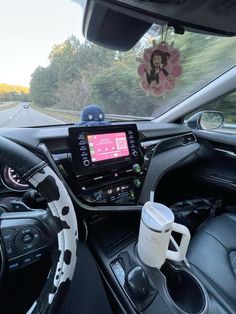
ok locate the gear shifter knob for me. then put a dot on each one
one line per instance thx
(137, 283)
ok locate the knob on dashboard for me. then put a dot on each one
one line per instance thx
(137, 183)
(98, 196)
(137, 168)
(86, 163)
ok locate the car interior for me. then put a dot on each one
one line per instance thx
(71, 218)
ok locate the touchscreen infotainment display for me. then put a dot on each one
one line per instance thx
(103, 148)
(108, 146)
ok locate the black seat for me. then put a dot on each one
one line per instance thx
(212, 255)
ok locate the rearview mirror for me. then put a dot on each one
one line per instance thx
(206, 120)
(119, 24)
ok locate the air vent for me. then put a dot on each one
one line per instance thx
(149, 148)
(142, 136)
(189, 138)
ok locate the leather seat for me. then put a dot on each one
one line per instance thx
(212, 255)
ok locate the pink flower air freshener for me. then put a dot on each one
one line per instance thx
(159, 68)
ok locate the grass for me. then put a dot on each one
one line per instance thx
(8, 105)
(64, 117)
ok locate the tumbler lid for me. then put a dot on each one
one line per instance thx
(157, 216)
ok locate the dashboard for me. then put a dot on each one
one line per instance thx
(104, 168)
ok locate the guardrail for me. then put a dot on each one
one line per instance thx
(110, 116)
(229, 126)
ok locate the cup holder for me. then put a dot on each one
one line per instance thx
(184, 290)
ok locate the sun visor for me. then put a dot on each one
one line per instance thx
(119, 24)
(112, 29)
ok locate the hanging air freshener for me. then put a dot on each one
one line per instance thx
(159, 68)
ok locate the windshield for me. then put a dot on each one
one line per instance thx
(49, 72)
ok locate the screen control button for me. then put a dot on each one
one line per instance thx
(86, 163)
(84, 154)
(82, 143)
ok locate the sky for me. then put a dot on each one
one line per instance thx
(28, 30)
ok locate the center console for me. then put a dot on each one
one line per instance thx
(172, 289)
(107, 163)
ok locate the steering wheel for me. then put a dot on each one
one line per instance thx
(26, 236)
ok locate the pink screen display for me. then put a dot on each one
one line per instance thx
(108, 146)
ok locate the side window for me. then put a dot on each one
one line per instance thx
(226, 105)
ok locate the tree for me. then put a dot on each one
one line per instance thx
(42, 86)
(82, 72)
(72, 95)
(13, 92)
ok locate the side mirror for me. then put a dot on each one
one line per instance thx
(206, 120)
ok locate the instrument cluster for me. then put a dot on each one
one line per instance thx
(11, 179)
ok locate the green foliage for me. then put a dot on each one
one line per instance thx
(81, 73)
(107, 86)
(13, 92)
(42, 86)
(66, 81)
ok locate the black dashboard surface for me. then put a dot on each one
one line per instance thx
(56, 137)
(117, 187)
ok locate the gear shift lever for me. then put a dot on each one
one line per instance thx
(137, 283)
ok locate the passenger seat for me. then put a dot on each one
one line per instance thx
(212, 255)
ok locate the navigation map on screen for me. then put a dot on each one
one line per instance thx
(108, 146)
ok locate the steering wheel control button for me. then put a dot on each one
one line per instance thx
(28, 247)
(10, 250)
(38, 255)
(14, 265)
(8, 235)
(27, 260)
(27, 238)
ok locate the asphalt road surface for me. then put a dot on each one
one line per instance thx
(24, 117)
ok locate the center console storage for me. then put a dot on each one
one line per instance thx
(185, 291)
(173, 289)
(173, 286)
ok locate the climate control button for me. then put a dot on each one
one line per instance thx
(137, 183)
(137, 168)
(98, 196)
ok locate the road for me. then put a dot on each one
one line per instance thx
(23, 117)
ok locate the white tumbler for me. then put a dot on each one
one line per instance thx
(156, 225)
